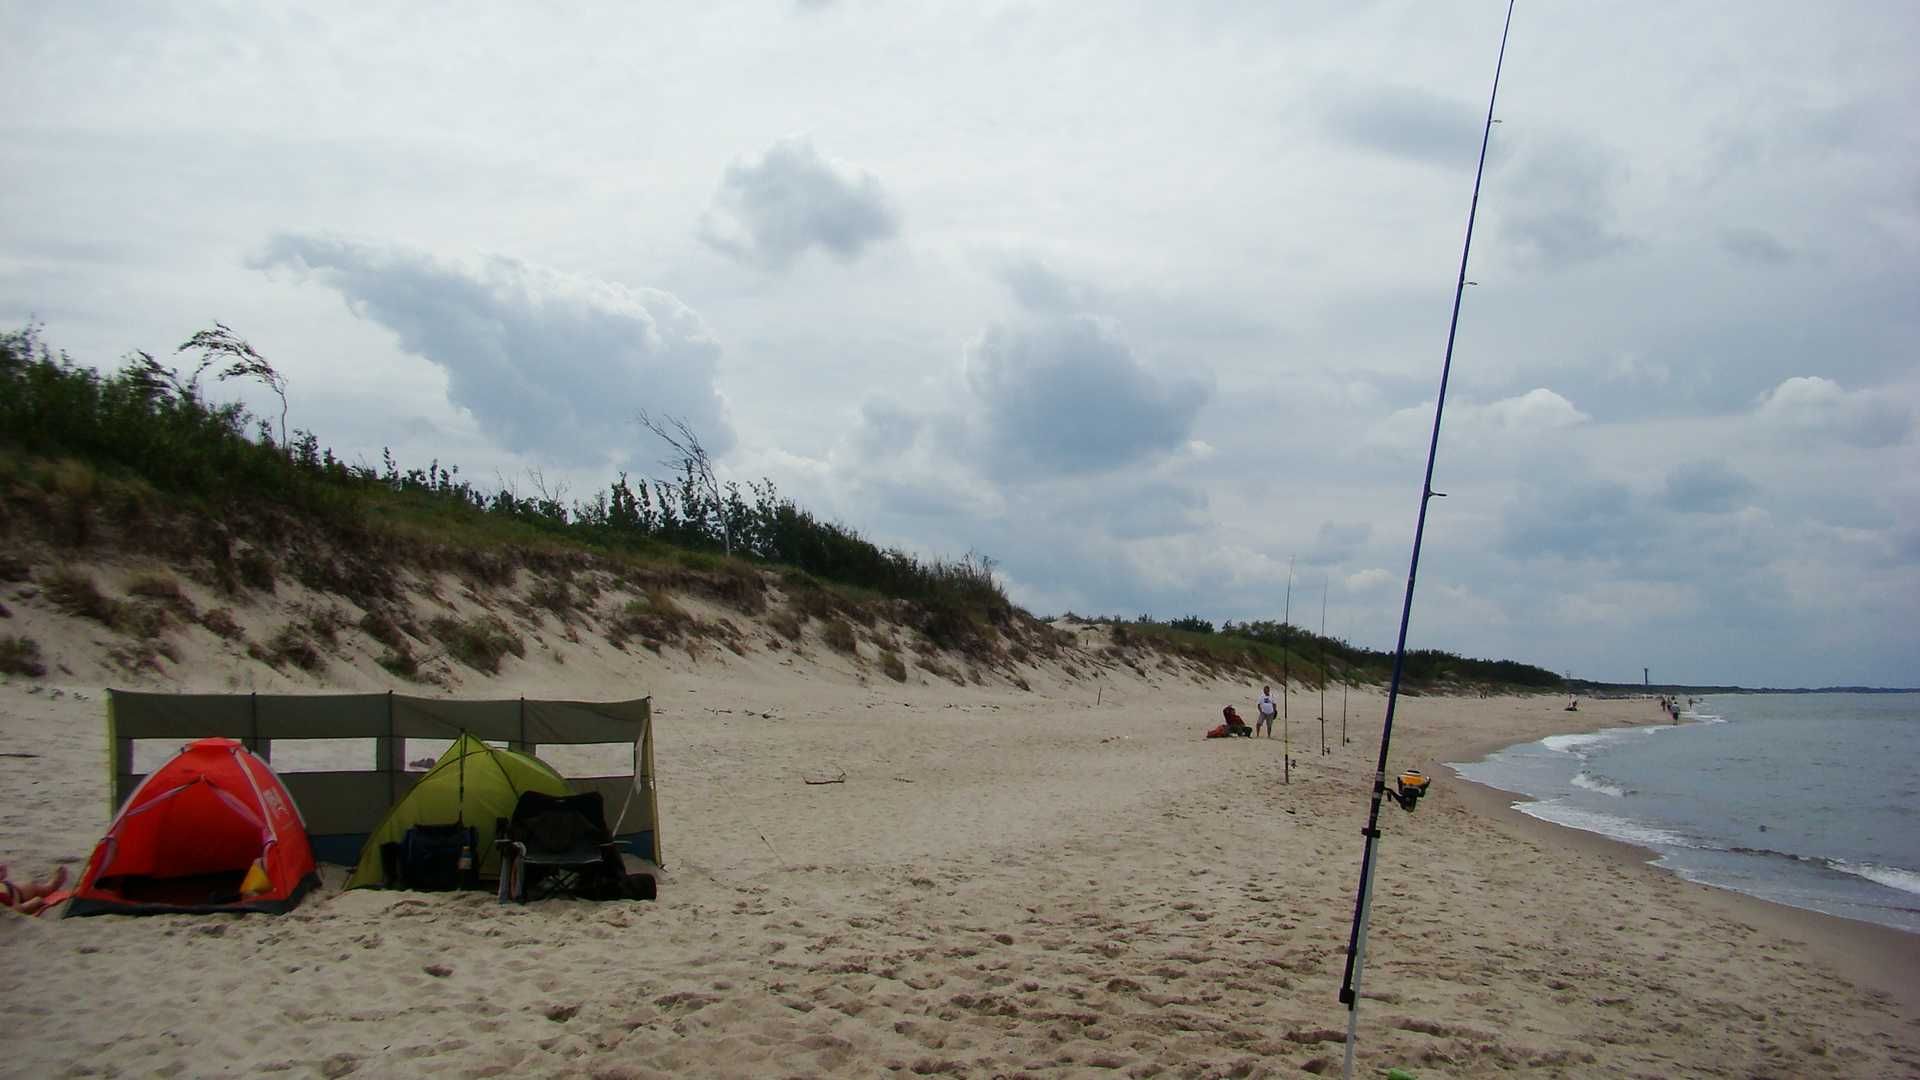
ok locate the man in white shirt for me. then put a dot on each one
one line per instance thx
(1267, 712)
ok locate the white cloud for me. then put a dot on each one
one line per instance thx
(1537, 410)
(1811, 405)
(1406, 122)
(1370, 580)
(1521, 418)
(792, 199)
(552, 364)
(1562, 210)
(1069, 395)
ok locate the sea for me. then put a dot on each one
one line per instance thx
(1811, 800)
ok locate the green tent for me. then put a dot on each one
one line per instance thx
(472, 784)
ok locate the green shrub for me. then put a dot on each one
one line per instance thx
(144, 621)
(478, 643)
(895, 668)
(20, 656)
(943, 669)
(729, 581)
(221, 621)
(326, 623)
(786, 624)
(556, 596)
(654, 618)
(76, 594)
(380, 627)
(289, 645)
(840, 637)
(813, 602)
(257, 570)
(953, 626)
(401, 661)
(165, 592)
(157, 587)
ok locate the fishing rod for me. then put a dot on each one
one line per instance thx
(1323, 667)
(1407, 794)
(1286, 687)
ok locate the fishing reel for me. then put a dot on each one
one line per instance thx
(1408, 787)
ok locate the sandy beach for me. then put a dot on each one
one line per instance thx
(1008, 882)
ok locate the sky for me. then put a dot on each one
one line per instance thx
(1146, 302)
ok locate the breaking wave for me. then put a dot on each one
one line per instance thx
(1599, 784)
(1608, 825)
(1893, 877)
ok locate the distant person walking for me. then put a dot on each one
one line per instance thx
(1267, 712)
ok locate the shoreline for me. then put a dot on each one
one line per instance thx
(1876, 957)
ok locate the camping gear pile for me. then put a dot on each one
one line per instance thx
(215, 830)
(463, 798)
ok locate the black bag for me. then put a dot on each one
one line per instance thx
(430, 857)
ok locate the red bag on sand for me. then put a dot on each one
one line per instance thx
(1218, 732)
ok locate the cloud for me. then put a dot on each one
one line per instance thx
(1537, 412)
(1706, 487)
(1563, 213)
(1755, 246)
(772, 211)
(1588, 520)
(1406, 123)
(1040, 288)
(887, 429)
(1141, 512)
(1559, 237)
(1812, 406)
(1068, 395)
(1370, 580)
(550, 364)
(1336, 542)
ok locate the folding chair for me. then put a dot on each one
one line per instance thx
(558, 845)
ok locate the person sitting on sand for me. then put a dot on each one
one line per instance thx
(1235, 725)
(30, 898)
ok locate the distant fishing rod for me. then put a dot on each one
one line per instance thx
(1408, 794)
(1323, 667)
(1286, 685)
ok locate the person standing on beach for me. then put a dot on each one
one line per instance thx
(1267, 712)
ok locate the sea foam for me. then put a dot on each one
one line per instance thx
(1893, 877)
(1595, 783)
(1608, 825)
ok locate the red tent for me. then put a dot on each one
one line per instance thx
(212, 830)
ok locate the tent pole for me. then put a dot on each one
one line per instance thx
(384, 753)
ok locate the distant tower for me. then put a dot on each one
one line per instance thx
(1646, 679)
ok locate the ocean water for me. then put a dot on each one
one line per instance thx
(1811, 800)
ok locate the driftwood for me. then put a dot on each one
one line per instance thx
(841, 779)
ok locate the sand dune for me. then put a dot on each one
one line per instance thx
(1006, 883)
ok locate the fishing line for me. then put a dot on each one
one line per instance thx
(1357, 941)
